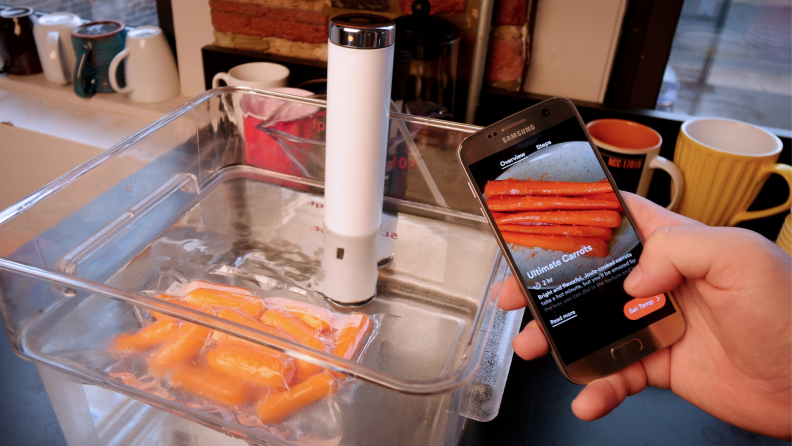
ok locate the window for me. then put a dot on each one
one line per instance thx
(130, 12)
(732, 59)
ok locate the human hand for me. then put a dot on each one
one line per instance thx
(734, 288)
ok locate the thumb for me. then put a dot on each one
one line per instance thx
(674, 253)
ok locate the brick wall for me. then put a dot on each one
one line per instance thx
(298, 28)
(131, 12)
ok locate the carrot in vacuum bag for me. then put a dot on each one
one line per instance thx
(355, 330)
(175, 300)
(300, 332)
(152, 335)
(598, 248)
(304, 369)
(279, 406)
(317, 317)
(529, 187)
(313, 321)
(250, 305)
(216, 286)
(288, 326)
(184, 345)
(250, 367)
(243, 319)
(601, 218)
(605, 234)
(210, 385)
(546, 203)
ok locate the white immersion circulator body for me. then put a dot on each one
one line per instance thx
(359, 71)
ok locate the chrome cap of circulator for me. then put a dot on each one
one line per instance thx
(365, 31)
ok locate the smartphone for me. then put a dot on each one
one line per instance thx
(569, 238)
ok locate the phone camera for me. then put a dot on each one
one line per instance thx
(545, 112)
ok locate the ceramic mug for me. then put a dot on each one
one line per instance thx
(632, 153)
(260, 75)
(726, 163)
(17, 45)
(95, 45)
(55, 50)
(150, 69)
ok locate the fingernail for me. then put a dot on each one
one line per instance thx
(634, 278)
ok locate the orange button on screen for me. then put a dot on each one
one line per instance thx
(638, 308)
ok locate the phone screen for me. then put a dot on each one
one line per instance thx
(567, 235)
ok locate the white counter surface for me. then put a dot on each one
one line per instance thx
(46, 130)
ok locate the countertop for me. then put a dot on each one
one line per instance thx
(536, 405)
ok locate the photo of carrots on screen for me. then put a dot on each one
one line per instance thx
(556, 216)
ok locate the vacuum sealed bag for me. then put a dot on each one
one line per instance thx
(250, 383)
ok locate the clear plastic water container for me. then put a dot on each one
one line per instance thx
(190, 200)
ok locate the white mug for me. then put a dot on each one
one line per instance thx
(260, 75)
(54, 46)
(150, 70)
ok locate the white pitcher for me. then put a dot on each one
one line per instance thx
(150, 69)
(54, 46)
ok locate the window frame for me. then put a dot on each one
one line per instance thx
(647, 36)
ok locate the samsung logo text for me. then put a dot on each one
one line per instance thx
(520, 132)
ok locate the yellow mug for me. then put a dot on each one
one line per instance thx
(725, 164)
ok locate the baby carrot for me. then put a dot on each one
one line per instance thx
(210, 385)
(300, 332)
(250, 305)
(352, 334)
(555, 243)
(610, 196)
(288, 326)
(185, 344)
(216, 286)
(145, 338)
(279, 406)
(529, 187)
(313, 321)
(305, 369)
(240, 318)
(251, 367)
(317, 317)
(546, 203)
(602, 218)
(175, 300)
(605, 234)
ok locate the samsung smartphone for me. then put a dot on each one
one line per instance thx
(569, 239)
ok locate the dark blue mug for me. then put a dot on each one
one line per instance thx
(96, 44)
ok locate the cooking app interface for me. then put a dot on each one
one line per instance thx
(568, 236)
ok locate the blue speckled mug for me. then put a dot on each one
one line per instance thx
(95, 44)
